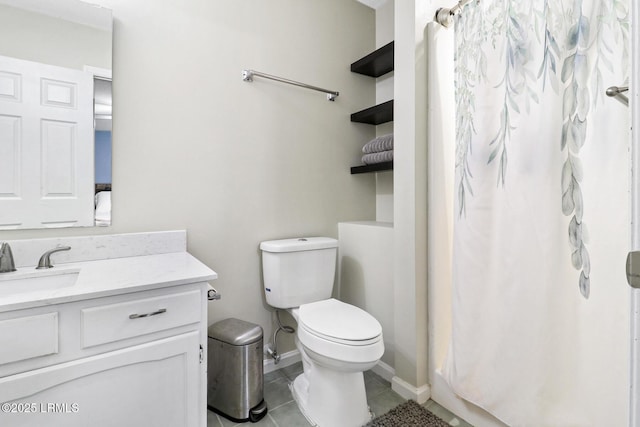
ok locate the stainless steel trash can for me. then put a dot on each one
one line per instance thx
(235, 373)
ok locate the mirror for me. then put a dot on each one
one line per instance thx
(55, 114)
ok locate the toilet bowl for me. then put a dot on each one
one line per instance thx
(337, 341)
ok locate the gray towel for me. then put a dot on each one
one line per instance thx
(383, 156)
(381, 143)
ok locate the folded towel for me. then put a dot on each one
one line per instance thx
(382, 156)
(381, 143)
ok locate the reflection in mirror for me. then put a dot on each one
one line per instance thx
(55, 114)
(102, 124)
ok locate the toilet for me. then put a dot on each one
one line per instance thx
(337, 341)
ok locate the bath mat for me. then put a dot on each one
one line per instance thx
(407, 414)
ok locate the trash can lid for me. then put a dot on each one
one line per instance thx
(235, 332)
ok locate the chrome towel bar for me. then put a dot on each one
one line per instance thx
(248, 75)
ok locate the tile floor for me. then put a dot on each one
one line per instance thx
(283, 410)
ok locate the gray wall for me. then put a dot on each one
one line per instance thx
(235, 163)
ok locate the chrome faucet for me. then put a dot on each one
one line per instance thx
(6, 259)
(45, 259)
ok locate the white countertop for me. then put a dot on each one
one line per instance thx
(108, 277)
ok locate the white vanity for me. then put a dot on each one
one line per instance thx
(112, 340)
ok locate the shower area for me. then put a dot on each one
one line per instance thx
(531, 212)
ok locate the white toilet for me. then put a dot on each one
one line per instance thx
(337, 341)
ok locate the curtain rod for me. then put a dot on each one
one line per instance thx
(445, 16)
(247, 76)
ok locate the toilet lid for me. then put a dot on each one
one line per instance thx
(334, 319)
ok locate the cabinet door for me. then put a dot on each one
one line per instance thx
(153, 384)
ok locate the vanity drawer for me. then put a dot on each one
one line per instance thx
(28, 337)
(114, 322)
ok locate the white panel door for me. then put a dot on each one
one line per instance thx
(46, 145)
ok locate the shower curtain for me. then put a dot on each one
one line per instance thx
(540, 305)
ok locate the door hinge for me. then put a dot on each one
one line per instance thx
(201, 353)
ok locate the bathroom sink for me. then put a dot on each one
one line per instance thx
(21, 282)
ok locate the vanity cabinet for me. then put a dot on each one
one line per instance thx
(135, 359)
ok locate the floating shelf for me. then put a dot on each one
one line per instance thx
(381, 113)
(376, 63)
(376, 167)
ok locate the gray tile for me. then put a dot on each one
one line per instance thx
(212, 419)
(440, 411)
(445, 414)
(288, 415)
(283, 410)
(277, 393)
(267, 421)
(272, 376)
(220, 420)
(384, 402)
(370, 374)
(374, 385)
(225, 422)
(292, 371)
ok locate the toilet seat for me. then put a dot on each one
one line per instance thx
(340, 323)
(340, 335)
(335, 340)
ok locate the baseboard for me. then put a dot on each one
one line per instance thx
(419, 394)
(286, 359)
(384, 370)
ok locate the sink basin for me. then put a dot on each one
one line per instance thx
(21, 282)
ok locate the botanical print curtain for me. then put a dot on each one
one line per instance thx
(540, 305)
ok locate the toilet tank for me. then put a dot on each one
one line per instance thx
(298, 271)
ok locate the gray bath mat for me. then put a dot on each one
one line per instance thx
(407, 414)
